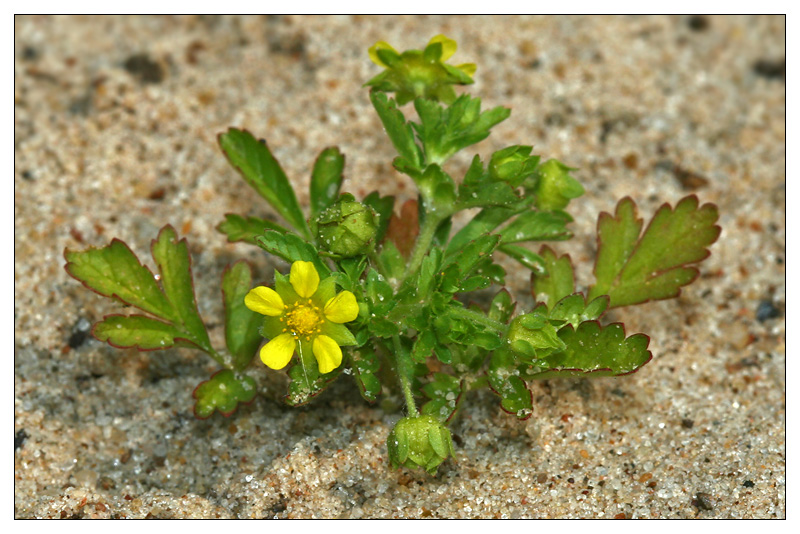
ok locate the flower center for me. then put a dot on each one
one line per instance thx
(304, 319)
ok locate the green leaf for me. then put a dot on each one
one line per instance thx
(502, 306)
(306, 381)
(292, 248)
(384, 207)
(383, 327)
(483, 223)
(472, 255)
(350, 271)
(513, 165)
(379, 293)
(398, 130)
(238, 228)
(392, 262)
(532, 337)
(537, 226)
(260, 169)
(326, 180)
(241, 324)
(515, 397)
(554, 186)
(526, 257)
(423, 346)
(114, 271)
(574, 310)
(631, 269)
(175, 265)
(445, 131)
(445, 393)
(365, 365)
(594, 351)
(138, 332)
(558, 280)
(223, 392)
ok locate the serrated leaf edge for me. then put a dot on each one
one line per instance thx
(216, 409)
(665, 206)
(625, 338)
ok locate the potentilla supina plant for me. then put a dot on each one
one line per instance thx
(379, 296)
(303, 314)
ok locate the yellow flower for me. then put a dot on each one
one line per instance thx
(305, 314)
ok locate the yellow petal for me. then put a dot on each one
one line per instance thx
(448, 46)
(468, 68)
(265, 301)
(277, 353)
(373, 52)
(304, 278)
(327, 352)
(342, 308)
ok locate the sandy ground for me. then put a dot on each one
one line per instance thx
(115, 125)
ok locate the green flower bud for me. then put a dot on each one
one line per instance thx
(347, 228)
(513, 165)
(533, 337)
(419, 442)
(555, 187)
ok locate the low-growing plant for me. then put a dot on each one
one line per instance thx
(375, 294)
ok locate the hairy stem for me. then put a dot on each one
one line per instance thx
(423, 244)
(404, 371)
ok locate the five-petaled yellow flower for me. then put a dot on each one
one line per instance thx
(306, 314)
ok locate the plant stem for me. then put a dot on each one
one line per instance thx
(423, 243)
(479, 318)
(404, 370)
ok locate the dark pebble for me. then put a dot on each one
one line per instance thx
(30, 53)
(702, 501)
(687, 423)
(748, 484)
(771, 69)
(279, 506)
(766, 311)
(698, 23)
(19, 438)
(80, 330)
(144, 68)
(28, 175)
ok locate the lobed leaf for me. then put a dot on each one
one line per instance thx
(445, 393)
(306, 380)
(239, 228)
(223, 392)
(537, 226)
(398, 130)
(515, 397)
(175, 265)
(444, 131)
(365, 365)
(292, 248)
(242, 325)
(632, 269)
(114, 271)
(593, 350)
(558, 280)
(138, 332)
(255, 162)
(326, 180)
(573, 309)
